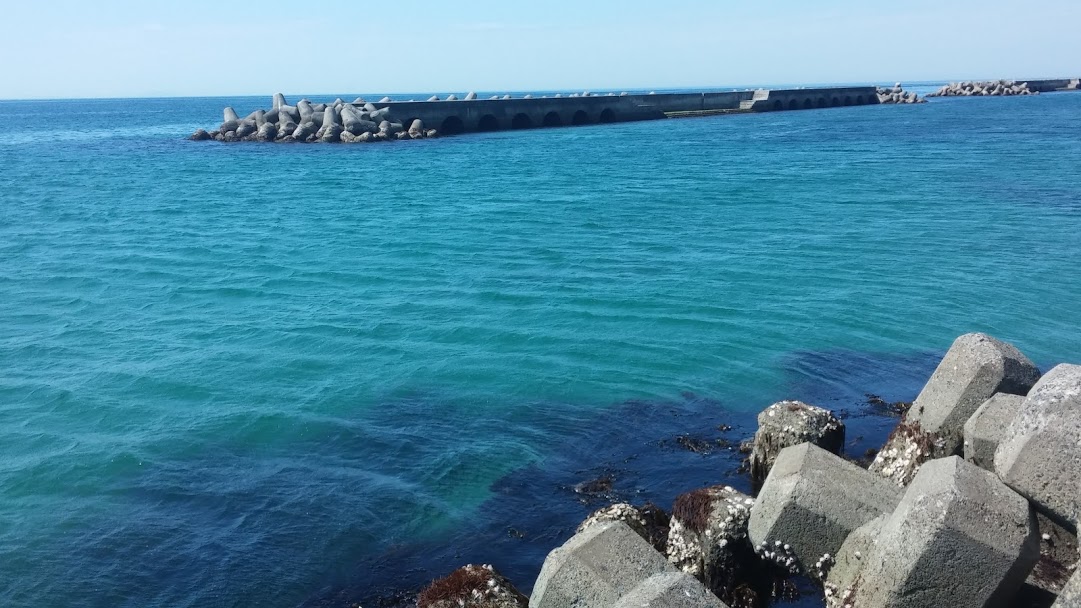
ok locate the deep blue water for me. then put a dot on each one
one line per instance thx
(237, 375)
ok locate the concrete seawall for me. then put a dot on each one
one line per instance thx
(470, 116)
(1055, 84)
(380, 121)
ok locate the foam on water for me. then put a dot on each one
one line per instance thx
(258, 374)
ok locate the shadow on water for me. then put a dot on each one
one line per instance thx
(638, 452)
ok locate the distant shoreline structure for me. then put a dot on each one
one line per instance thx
(362, 121)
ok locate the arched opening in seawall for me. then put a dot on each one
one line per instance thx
(521, 121)
(452, 125)
(553, 119)
(488, 123)
(580, 118)
(607, 115)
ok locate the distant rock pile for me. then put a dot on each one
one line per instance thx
(898, 95)
(977, 89)
(336, 122)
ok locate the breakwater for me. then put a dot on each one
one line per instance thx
(972, 502)
(388, 119)
(997, 88)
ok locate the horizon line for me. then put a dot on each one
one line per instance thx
(603, 90)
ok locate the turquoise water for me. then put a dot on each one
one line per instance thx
(247, 374)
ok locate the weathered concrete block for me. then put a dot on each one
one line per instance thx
(354, 121)
(812, 500)
(472, 587)
(1058, 556)
(976, 367)
(246, 128)
(986, 428)
(959, 537)
(390, 128)
(839, 572)
(1071, 593)
(306, 111)
(267, 132)
(285, 122)
(707, 538)
(330, 129)
(670, 590)
(230, 121)
(305, 130)
(1040, 456)
(650, 521)
(790, 423)
(602, 565)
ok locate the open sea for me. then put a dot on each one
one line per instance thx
(315, 376)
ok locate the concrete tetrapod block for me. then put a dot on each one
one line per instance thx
(602, 565)
(976, 367)
(843, 568)
(790, 423)
(812, 500)
(1071, 593)
(1040, 456)
(670, 590)
(960, 538)
(986, 428)
(650, 522)
(472, 587)
(1058, 556)
(707, 538)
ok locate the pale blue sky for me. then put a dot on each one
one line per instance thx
(79, 48)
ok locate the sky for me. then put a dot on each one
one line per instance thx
(158, 48)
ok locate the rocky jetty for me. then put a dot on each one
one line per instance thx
(334, 122)
(897, 95)
(924, 527)
(976, 89)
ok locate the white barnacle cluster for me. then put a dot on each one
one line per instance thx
(835, 598)
(823, 566)
(734, 525)
(491, 591)
(682, 550)
(727, 527)
(899, 461)
(618, 512)
(902, 459)
(779, 554)
(803, 422)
